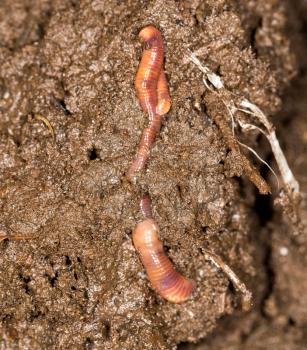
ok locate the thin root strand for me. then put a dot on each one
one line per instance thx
(246, 295)
(16, 238)
(47, 123)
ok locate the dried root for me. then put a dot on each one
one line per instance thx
(246, 295)
(250, 171)
(47, 123)
(288, 178)
(215, 84)
(290, 196)
(250, 109)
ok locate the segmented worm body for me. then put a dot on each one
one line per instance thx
(153, 94)
(167, 282)
(146, 207)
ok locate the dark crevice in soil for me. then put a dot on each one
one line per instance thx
(270, 273)
(88, 344)
(183, 346)
(36, 314)
(64, 108)
(26, 280)
(59, 104)
(264, 209)
(75, 3)
(107, 329)
(53, 280)
(253, 36)
(42, 27)
(93, 154)
(68, 261)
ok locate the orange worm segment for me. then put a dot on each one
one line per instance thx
(147, 139)
(167, 282)
(164, 99)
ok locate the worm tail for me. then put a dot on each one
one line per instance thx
(165, 280)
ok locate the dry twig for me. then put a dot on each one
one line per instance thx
(246, 295)
(247, 107)
(47, 123)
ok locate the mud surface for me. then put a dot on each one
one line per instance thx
(70, 124)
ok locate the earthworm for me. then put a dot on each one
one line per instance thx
(153, 94)
(146, 207)
(167, 282)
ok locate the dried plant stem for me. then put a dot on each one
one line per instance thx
(47, 123)
(246, 295)
(288, 178)
(250, 171)
(215, 84)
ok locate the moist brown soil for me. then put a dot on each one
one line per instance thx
(77, 281)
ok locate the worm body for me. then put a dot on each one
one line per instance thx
(153, 94)
(146, 207)
(167, 282)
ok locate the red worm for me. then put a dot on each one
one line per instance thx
(146, 207)
(167, 282)
(153, 94)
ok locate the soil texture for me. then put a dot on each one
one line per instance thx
(70, 124)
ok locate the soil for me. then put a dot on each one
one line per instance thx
(70, 124)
